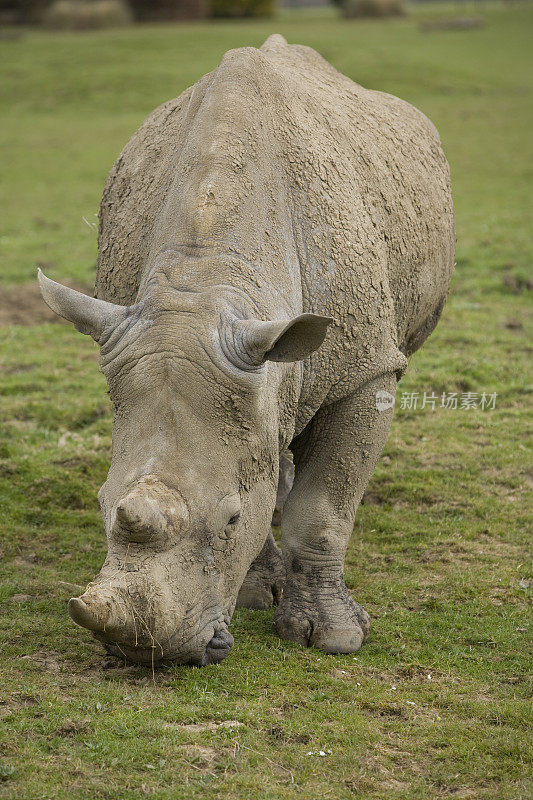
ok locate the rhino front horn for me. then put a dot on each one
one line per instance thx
(88, 314)
(88, 612)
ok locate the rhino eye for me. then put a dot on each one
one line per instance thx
(234, 519)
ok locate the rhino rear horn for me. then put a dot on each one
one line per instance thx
(88, 314)
(150, 510)
(255, 342)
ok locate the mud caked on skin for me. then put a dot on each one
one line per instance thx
(273, 244)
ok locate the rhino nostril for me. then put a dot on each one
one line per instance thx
(218, 648)
(222, 639)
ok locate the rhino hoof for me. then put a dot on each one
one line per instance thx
(336, 632)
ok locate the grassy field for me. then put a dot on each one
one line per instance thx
(437, 704)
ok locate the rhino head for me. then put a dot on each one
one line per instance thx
(192, 483)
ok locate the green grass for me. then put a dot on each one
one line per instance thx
(437, 704)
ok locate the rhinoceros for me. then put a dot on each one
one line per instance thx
(273, 245)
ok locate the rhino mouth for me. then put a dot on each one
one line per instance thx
(216, 650)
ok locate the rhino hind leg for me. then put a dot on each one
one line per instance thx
(263, 585)
(334, 459)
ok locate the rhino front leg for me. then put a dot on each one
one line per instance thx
(264, 580)
(263, 584)
(285, 482)
(334, 459)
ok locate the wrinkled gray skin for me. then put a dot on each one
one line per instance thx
(273, 244)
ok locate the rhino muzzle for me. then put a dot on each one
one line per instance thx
(126, 635)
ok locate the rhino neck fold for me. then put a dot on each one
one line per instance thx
(249, 288)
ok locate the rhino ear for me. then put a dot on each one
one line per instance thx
(88, 314)
(279, 340)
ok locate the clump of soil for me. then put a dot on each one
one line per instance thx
(517, 283)
(72, 727)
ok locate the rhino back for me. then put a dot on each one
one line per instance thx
(371, 193)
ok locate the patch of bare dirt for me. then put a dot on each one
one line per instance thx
(209, 725)
(26, 560)
(72, 727)
(113, 668)
(514, 324)
(282, 736)
(23, 305)
(201, 757)
(21, 598)
(45, 660)
(517, 283)
(386, 710)
(15, 701)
